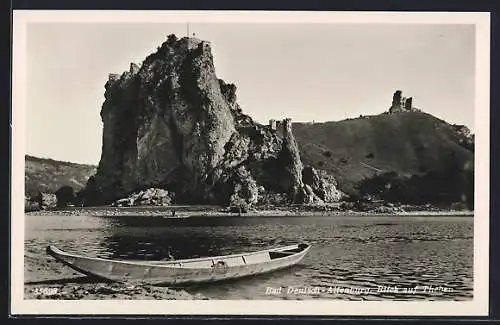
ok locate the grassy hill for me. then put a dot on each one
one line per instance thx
(48, 175)
(410, 143)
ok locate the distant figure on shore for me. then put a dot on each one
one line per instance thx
(173, 213)
(169, 256)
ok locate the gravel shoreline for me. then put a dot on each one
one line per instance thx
(165, 212)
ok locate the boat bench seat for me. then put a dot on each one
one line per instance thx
(257, 258)
(197, 264)
(231, 261)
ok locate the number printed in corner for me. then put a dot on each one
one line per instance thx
(45, 291)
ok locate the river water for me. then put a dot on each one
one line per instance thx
(352, 258)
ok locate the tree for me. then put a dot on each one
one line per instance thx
(65, 195)
(378, 186)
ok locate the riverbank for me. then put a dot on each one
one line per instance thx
(206, 211)
(45, 278)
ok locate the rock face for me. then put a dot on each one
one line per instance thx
(48, 201)
(245, 191)
(324, 186)
(171, 123)
(291, 180)
(151, 196)
(42, 201)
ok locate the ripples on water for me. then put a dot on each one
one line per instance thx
(361, 254)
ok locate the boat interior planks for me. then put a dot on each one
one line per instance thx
(196, 270)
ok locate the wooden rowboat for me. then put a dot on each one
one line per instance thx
(196, 270)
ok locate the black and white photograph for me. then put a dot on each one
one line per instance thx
(319, 163)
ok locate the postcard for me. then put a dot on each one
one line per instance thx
(250, 163)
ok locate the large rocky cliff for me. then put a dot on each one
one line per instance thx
(171, 123)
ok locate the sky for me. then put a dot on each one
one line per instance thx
(307, 72)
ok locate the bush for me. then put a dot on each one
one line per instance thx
(65, 195)
(31, 204)
(327, 154)
(435, 187)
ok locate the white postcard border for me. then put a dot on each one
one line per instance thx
(479, 304)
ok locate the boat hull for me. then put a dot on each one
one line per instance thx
(201, 270)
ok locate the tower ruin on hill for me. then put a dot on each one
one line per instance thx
(401, 103)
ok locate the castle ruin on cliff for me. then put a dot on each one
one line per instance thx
(280, 126)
